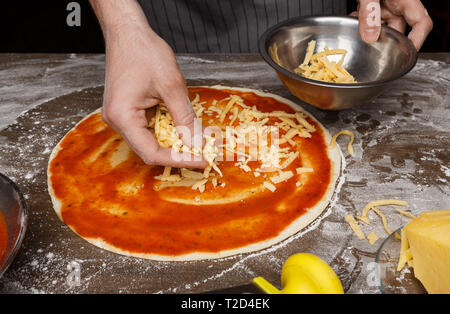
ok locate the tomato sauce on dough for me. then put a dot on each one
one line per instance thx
(107, 192)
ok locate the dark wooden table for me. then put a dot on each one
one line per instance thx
(401, 151)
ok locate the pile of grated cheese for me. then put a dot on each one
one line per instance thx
(242, 128)
(318, 67)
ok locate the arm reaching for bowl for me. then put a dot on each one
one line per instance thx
(396, 14)
(141, 72)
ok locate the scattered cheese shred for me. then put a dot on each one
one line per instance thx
(171, 178)
(166, 176)
(350, 143)
(273, 52)
(301, 119)
(373, 206)
(233, 100)
(364, 219)
(167, 171)
(246, 168)
(206, 172)
(166, 184)
(383, 219)
(382, 203)
(235, 115)
(200, 185)
(289, 160)
(283, 176)
(355, 227)
(302, 170)
(269, 186)
(186, 173)
(372, 238)
(405, 213)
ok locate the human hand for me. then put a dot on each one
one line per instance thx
(141, 72)
(396, 14)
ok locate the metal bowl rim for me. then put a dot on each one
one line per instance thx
(269, 32)
(23, 227)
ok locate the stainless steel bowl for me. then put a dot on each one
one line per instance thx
(14, 210)
(372, 65)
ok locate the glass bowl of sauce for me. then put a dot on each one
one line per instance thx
(13, 221)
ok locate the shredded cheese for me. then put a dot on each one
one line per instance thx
(355, 227)
(383, 219)
(373, 206)
(318, 66)
(350, 143)
(301, 119)
(186, 173)
(269, 186)
(243, 141)
(405, 213)
(283, 176)
(382, 203)
(233, 100)
(199, 184)
(372, 238)
(167, 171)
(167, 136)
(302, 170)
(206, 172)
(289, 160)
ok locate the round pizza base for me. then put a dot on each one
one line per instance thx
(296, 226)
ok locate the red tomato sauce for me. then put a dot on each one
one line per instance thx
(3, 235)
(95, 205)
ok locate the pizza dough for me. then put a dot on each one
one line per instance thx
(105, 193)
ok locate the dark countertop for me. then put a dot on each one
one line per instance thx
(401, 151)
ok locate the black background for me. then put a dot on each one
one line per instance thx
(40, 26)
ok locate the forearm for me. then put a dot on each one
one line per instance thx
(116, 15)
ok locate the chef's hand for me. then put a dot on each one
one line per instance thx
(141, 72)
(395, 13)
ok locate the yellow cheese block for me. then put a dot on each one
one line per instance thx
(429, 241)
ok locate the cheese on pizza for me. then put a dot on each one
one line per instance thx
(246, 126)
